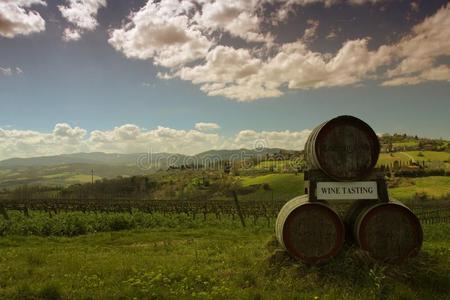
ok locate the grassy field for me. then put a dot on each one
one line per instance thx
(276, 164)
(389, 158)
(406, 144)
(283, 186)
(223, 261)
(434, 186)
(80, 178)
(430, 155)
(286, 186)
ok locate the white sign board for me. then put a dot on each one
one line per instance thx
(347, 190)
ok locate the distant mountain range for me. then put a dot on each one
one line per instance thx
(66, 169)
(143, 160)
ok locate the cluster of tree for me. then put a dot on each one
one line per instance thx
(421, 172)
(31, 192)
(412, 143)
(116, 187)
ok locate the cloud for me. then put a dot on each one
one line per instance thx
(419, 51)
(163, 32)
(16, 18)
(70, 34)
(238, 74)
(10, 71)
(186, 38)
(333, 33)
(202, 126)
(64, 130)
(294, 140)
(82, 14)
(287, 7)
(230, 72)
(311, 31)
(28, 143)
(440, 73)
(6, 71)
(238, 18)
(130, 138)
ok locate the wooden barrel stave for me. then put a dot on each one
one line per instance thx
(310, 231)
(344, 148)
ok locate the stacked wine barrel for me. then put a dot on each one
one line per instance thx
(346, 149)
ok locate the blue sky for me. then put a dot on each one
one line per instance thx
(115, 81)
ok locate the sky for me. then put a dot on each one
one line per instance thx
(189, 76)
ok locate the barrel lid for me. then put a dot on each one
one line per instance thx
(313, 226)
(389, 222)
(333, 149)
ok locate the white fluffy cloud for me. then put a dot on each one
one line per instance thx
(245, 75)
(202, 126)
(130, 138)
(419, 51)
(65, 131)
(70, 34)
(271, 139)
(440, 73)
(28, 143)
(238, 18)
(82, 14)
(238, 74)
(16, 18)
(227, 72)
(182, 36)
(163, 32)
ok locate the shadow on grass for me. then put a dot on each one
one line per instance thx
(426, 276)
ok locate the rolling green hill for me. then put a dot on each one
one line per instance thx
(280, 186)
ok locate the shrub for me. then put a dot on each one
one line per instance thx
(50, 292)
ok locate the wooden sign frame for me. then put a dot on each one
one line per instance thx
(312, 177)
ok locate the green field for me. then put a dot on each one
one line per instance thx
(283, 186)
(433, 186)
(406, 144)
(221, 261)
(430, 155)
(286, 186)
(389, 158)
(276, 164)
(80, 178)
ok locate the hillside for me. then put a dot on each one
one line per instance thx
(158, 160)
(68, 169)
(403, 142)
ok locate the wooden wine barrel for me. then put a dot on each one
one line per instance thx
(351, 215)
(310, 231)
(344, 148)
(388, 231)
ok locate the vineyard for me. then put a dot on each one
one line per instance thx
(429, 212)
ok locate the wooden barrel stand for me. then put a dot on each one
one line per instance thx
(341, 155)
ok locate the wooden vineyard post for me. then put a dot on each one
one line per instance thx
(341, 155)
(4, 212)
(238, 208)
